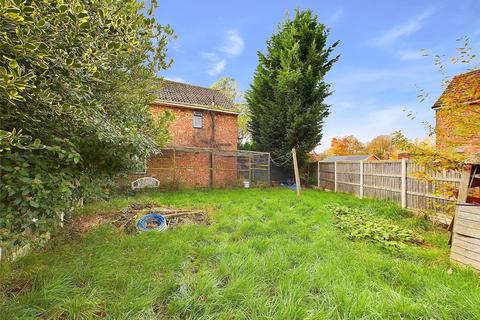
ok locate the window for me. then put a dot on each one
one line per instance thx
(197, 119)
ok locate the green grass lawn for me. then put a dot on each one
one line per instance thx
(268, 255)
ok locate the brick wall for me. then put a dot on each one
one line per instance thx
(219, 129)
(193, 169)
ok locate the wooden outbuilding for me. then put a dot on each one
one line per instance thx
(465, 225)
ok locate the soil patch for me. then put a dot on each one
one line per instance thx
(126, 218)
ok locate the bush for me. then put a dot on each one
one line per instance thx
(362, 225)
(76, 78)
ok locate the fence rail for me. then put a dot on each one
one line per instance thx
(396, 180)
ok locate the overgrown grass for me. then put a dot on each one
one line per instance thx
(269, 255)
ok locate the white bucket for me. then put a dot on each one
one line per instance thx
(246, 184)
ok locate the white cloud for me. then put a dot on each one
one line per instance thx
(216, 64)
(176, 79)
(403, 30)
(337, 15)
(217, 67)
(233, 44)
(410, 55)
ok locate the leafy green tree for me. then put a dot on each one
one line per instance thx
(229, 87)
(76, 78)
(286, 99)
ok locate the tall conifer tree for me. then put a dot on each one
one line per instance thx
(287, 96)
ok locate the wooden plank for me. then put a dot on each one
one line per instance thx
(350, 183)
(475, 241)
(404, 184)
(335, 175)
(463, 187)
(466, 231)
(466, 253)
(318, 174)
(465, 260)
(361, 178)
(470, 209)
(457, 243)
(468, 216)
(467, 223)
(382, 175)
(348, 172)
(382, 188)
(297, 175)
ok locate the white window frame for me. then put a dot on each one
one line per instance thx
(197, 116)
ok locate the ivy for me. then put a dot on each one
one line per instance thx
(362, 225)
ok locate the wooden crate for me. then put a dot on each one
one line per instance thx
(466, 236)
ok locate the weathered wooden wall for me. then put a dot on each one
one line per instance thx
(395, 180)
(466, 236)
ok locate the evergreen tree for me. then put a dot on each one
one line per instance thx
(286, 98)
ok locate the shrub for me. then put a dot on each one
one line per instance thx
(362, 225)
(76, 78)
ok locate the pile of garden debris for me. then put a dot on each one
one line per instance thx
(126, 218)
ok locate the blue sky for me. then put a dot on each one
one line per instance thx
(381, 68)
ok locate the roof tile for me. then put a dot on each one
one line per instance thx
(464, 87)
(189, 94)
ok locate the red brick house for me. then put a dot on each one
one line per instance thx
(463, 92)
(202, 152)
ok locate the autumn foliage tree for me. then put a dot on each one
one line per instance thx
(382, 147)
(229, 87)
(346, 145)
(461, 119)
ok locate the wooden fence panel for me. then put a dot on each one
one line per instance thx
(394, 180)
(327, 175)
(348, 177)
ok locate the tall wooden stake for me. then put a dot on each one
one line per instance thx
(403, 178)
(295, 168)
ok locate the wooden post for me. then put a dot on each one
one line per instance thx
(463, 186)
(462, 195)
(318, 174)
(335, 175)
(361, 179)
(212, 169)
(268, 172)
(404, 183)
(174, 167)
(250, 169)
(295, 168)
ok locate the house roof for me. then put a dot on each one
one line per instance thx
(182, 93)
(354, 157)
(464, 88)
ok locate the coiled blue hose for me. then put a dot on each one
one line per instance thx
(157, 219)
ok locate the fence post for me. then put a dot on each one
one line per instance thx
(174, 167)
(318, 174)
(268, 168)
(361, 179)
(250, 169)
(298, 183)
(335, 175)
(404, 183)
